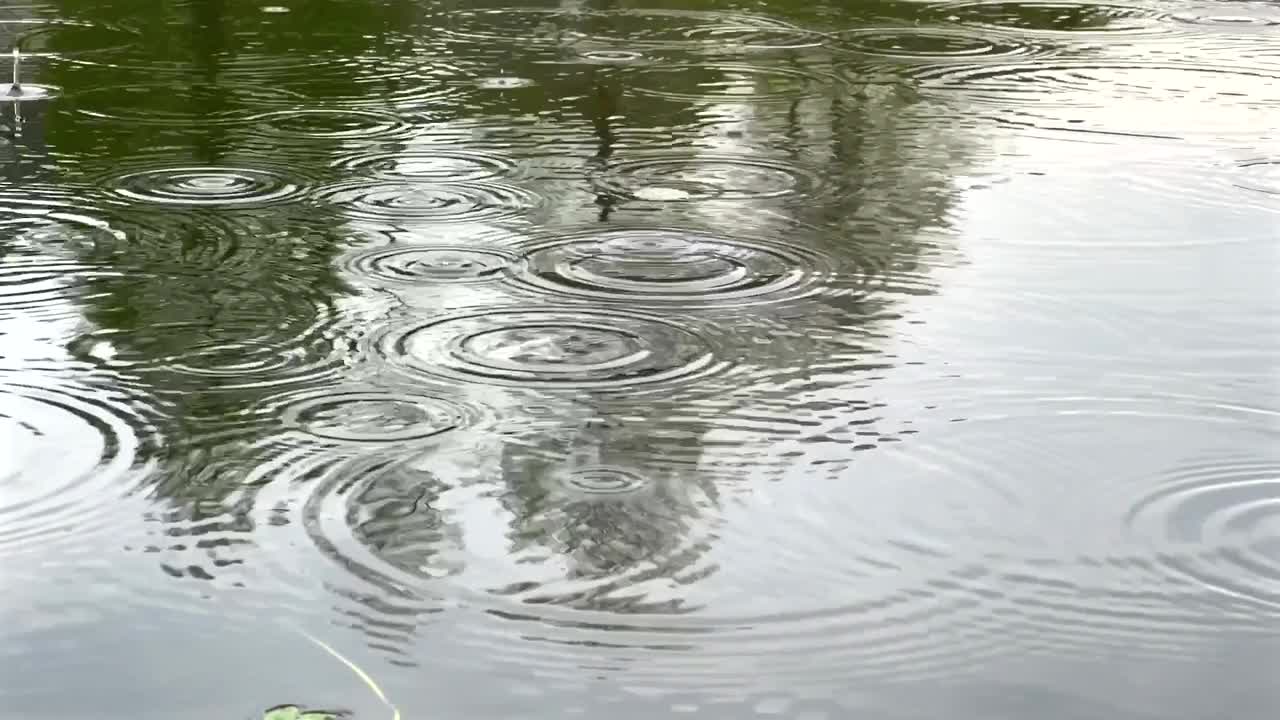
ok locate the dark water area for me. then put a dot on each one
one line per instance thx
(815, 360)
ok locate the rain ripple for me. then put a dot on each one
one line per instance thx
(552, 347)
(67, 451)
(371, 416)
(1055, 17)
(673, 177)
(1152, 99)
(415, 264)
(181, 104)
(307, 125)
(623, 509)
(264, 333)
(667, 265)
(385, 200)
(1216, 522)
(66, 38)
(649, 28)
(221, 186)
(728, 83)
(428, 164)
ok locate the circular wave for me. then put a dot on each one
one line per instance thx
(405, 82)
(607, 502)
(233, 337)
(37, 283)
(68, 452)
(180, 103)
(431, 263)
(330, 124)
(1234, 16)
(611, 57)
(819, 586)
(425, 202)
(372, 416)
(1055, 16)
(1216, 522)
(1161, 100)
(43, 37)
(429, 165)
(678, 177)
(727, 83)
(603, 480)
(551, 347)
(923, 560)
(668, 265)
(926, 44)
(221, 186)
(631, 27)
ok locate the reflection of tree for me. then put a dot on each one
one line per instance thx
(884, 176)
(615, 502)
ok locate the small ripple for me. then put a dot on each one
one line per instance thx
(68, 451)
(585, 515)
(632, 27)
(38, 283)
(371, 416)
(424, 202)
(309, 124)
(1232, 17)
(728, 83)
(220, 186)
(603, 480)
(180, 103)
(1159, 100)
(429, 165)
(925, 44)
(1217, 523)
(551, 347)
(669, 265)
(669, 177)
(1055, 16)
(402, 82)
(265, 333)
(1260, 176)
(430, 263)
(611, 57)
(43, 37)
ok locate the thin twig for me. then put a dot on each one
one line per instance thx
(364, 676)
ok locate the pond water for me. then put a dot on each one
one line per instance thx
(814, 360)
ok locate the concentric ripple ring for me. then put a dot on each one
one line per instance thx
(431, 263)
(668, 265)
(429, 202)
(209, 186)
(676, 177)
(550, 347)
(373, 417)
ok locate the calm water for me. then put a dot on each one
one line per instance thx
(812, 360)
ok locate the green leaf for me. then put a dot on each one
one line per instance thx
(283, 712)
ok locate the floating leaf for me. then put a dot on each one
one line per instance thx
(293, 712)
(282, 712)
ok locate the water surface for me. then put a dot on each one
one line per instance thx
(814, 360)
